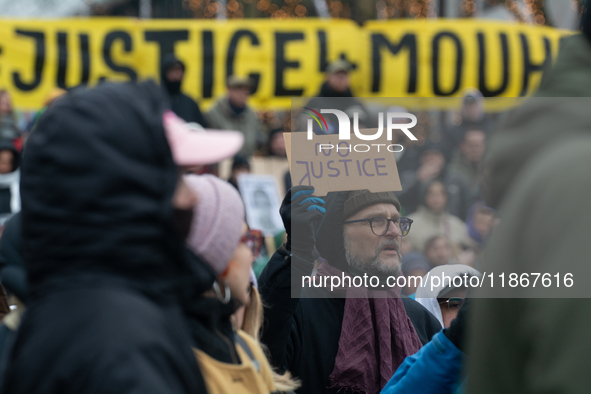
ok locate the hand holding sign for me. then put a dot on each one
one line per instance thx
(301, 212)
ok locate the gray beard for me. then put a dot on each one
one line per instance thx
(374, 265)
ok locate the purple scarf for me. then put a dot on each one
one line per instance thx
(376, 336)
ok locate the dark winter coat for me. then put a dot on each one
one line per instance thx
(14, 279)
(535, 340)
(107, 272)
(211, 328)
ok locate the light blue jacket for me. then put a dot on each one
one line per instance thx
(435, 369)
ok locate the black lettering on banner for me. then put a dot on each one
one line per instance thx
(528, 66)
(486, 92)
(166, 40)
(254, 41)
(85, 54)
(207, 41)
(281, 64)
(39, 38)
(459, 63)
(110, 39)
(408, 41)
(62, 65)
(323, 63)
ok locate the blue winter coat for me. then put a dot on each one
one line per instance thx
(435, 369)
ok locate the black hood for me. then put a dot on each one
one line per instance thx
(16, 163)
(96, 188)
(168, 61)
(13, 274)
(329, 237)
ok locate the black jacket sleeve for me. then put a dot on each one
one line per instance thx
(279, 286)
(425, 324)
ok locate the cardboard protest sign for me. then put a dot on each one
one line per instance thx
(329, 164)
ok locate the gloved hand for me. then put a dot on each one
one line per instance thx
(456, 332)
(301, 212)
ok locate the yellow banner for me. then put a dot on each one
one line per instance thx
(396, 58)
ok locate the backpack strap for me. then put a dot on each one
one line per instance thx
(240, 341)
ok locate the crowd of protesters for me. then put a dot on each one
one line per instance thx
(126, 262)
(134, 274)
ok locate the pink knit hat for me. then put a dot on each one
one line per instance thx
(216, 228)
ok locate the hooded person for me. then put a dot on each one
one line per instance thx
(431, 296)
(538, 180)
(10, 202)
(437, 367)
(231, 360)
(344, 341)
(172, 72)
(103, 233)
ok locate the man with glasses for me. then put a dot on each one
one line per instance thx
(346, 338)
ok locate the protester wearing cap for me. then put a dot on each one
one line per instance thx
(337, 83)
(231, 361)
(335, 93)
(172, 73)
(344, 340)
(337, 80)
(233, 113)
(107, 269)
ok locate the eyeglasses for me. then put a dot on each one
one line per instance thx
(254, 240)
(453, 304)
(380, 224)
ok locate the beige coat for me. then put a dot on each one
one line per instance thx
(222, 117)
(427, 224)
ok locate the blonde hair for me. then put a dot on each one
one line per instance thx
(252, 324)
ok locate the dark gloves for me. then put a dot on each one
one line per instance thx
(301, 212)
(456, 332)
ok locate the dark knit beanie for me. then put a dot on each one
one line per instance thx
(359, 199)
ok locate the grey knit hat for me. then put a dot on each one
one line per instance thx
(359, 199)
